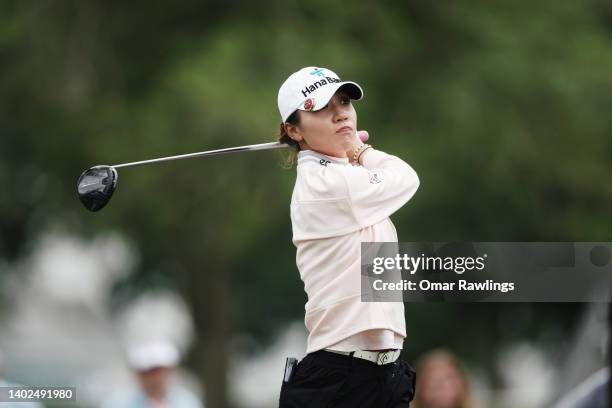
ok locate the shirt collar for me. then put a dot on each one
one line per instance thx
(312, 155)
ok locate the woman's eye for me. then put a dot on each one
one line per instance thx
(345, 100)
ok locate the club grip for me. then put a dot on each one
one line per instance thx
(363, 135)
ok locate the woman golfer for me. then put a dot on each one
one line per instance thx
(344, 193)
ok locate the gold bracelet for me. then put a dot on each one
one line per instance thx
(356, 153)
(362, 152)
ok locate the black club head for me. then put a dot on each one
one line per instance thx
(96, 186)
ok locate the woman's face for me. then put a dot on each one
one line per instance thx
(155, 381)
(441, 385)
(331, 130)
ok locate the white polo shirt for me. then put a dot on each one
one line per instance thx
(335, 206)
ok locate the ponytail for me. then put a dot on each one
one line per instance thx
(283, 137)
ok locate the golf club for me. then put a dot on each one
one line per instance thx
(97, 184)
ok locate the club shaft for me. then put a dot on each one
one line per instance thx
(248, 148)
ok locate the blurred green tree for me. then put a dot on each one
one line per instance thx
(504, 110)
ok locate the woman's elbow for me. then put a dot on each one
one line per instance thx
(412, 182)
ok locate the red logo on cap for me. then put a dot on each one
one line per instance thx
(309, 104)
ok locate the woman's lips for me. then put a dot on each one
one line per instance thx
(344, 129)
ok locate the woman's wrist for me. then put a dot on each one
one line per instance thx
(358, 152)
(351, 153)
(363, 153)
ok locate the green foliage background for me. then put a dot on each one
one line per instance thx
(504, 109)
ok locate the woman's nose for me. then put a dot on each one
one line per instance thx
(340, 114)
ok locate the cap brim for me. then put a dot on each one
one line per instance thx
(321, 96)
(146, 357)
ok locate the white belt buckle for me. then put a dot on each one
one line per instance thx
(385, 357)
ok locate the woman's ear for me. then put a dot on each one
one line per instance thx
(293, 132)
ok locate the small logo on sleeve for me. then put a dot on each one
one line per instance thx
(374, 177)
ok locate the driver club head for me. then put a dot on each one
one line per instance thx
(96, 186)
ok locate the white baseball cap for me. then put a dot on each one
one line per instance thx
(144, 357)
(310, 89)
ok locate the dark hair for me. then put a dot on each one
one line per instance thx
(283, 137)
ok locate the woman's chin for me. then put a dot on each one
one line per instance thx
(345, 142)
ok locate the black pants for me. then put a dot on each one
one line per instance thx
(325, 380)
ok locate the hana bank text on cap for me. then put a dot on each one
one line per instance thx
(310, 89)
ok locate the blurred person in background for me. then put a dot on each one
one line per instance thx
(442, 382)
(4, 383)
(154, 365)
